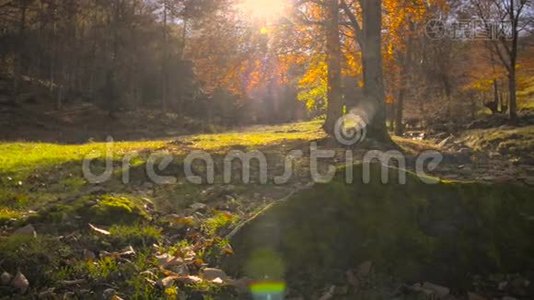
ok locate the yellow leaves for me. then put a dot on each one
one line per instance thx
(313, 86)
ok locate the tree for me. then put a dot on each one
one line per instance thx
(369, 38)
(498, 14)
(333, 53)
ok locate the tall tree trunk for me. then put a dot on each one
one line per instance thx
(165, 61)
(399, 111)
(333, 46)
(512, 82)
(512, 86)
(21, 48)
(372, 69)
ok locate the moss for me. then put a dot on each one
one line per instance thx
(135, 235)
(436, 233)
(115, 209)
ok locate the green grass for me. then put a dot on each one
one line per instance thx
(21, 159)
(258, 136)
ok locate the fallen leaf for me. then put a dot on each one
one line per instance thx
(211, 274)
(217, 281)
(98, 230)
(170, 280)
(190, 279)
(167, 282)
(128, 251)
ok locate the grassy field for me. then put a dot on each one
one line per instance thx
(86, 232)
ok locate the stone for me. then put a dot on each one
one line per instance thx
(5, 278)
(20, 282)
(26, 230)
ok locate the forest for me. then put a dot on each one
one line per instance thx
(267, 149)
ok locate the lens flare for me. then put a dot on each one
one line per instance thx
(268, 10)
(272, 290)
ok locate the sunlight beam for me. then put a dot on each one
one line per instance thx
(264, 10)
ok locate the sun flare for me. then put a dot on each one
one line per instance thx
(268, 10)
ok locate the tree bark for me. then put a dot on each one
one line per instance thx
(513, 94)
(21, 45)
(333, 45)
(374, 94)
(399, 109)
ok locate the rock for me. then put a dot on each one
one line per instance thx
(5, 278)
(211, 274)
(181, 269)
(440, 291)
(26, 230)
(20, 283)
(109, 294)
